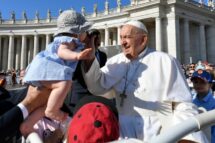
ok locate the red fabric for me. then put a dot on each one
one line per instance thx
(93, 123)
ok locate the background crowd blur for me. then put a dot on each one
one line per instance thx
(200, 65)
(13, 78)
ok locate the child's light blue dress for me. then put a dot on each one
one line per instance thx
(47, 66)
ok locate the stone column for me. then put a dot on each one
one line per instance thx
(5, 53)
(173, 37)
(31, 50)
(114, 37)
(42, 45)
(202, 42)
(23, 52)
(158, 28)
(210, 37)
(18, 52)
(11, 52)
(186, 39)
(118, 35)
(102, 38)
(48, 39)
(36, 44)
(106, 36)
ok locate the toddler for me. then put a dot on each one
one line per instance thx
(53, 68)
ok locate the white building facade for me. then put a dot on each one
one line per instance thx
(183, 28)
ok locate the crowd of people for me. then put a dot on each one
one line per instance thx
(189, 69)
(11, 78)
(66, 86)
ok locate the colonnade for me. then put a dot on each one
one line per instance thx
(181, 38)
(17, 51)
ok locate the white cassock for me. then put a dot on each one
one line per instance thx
(153, 78)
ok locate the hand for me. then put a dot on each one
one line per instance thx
(89, 44)
(85, 54)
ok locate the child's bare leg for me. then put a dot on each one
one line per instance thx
(27, 126)
(34, 101)
(57, 96)
(36, 97)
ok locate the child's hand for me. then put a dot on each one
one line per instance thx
(85, 54)
(89, 44)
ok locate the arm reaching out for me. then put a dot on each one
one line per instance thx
(65, 52)
(85, 54)
(88, 54)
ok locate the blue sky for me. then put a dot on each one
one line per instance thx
(31, 6)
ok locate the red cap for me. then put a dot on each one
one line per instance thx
(93, 122)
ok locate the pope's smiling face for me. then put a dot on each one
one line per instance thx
(133, 41)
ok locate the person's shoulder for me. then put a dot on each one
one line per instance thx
(159, 55)
(102, 53)
(118, 58)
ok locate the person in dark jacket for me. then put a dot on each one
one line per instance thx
(13, 111)
(79, 88)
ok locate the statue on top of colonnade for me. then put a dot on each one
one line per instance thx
(48, 15)
(83, 11)
(95, 10)
(118, 5)
(37, 18)
(12, 16)
(106, 7)
(60, 11)
(24, 16)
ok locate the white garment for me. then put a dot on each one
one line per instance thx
(152, 78)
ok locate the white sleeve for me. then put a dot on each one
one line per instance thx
(175, 87)
(101, 80)
(24, 110)
(92, 78)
